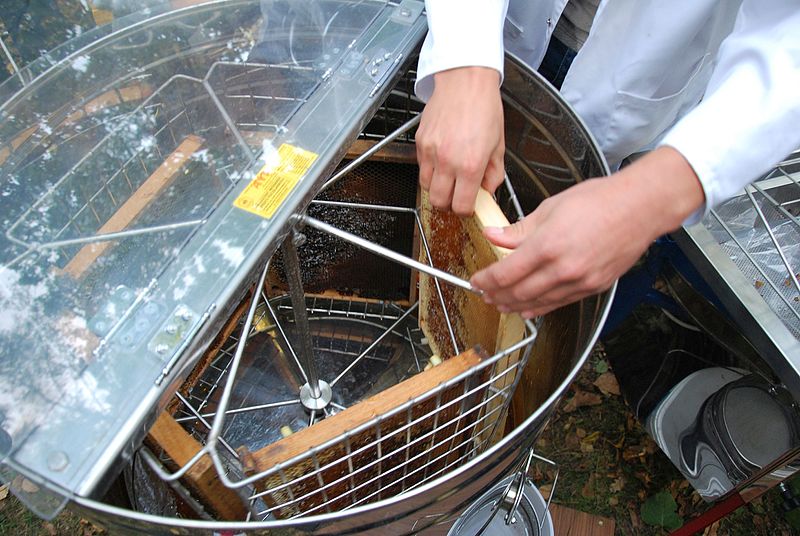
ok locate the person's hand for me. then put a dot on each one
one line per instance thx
(577, 243)
(460, 143)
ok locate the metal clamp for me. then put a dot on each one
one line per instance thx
(512, 495)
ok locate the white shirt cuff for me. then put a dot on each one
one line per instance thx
(461, 33)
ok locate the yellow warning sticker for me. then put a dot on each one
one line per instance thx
(267, 192)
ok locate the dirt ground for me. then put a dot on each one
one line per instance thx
(608, 464)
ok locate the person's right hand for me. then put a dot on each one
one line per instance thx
(460, 142)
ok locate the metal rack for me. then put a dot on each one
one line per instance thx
(750, 245)
(394, 452)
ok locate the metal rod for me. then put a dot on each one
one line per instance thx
(438, 286)
(306, 353)
(408, 125)
(225, 398)
(366, 206)
(513, 195)
(389, 254)
(205, 423)
(202, 416)
(120, 234)
(13, 63)
(284, 340)
(375, 343)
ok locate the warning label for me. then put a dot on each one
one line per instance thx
(267, 192)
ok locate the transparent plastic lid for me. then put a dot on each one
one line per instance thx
(140, 177)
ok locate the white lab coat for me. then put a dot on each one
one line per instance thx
(646, 65)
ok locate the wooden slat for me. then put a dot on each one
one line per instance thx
(569, 522)
(358, 484)
(202, 478)
(135, 204)
(458, 246)
(401, 153)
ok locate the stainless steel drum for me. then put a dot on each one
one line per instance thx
(176, 212)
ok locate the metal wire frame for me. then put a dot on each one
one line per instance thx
(781, 209)
(111, 191)
(483, 399)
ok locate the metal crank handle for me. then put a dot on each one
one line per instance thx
(389, 254)
(512, 495)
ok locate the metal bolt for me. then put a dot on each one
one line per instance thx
(405, 12)
(162, 349)
(549, 21)
(298, 239)
(374, 72)
(377, 61)
(185, 316)
(57, 461)
(171, 329)
(387, 55)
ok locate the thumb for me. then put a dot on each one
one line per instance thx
(511, 236)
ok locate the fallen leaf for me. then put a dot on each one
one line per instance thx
(607, 383)
(712, 529)
(613, 501)
(582, 399)
(617, 485)
(601, 367)
(572, 442)
(660, 511)
(3, 491)
(50, 528)
(588, 488)
(587, 448)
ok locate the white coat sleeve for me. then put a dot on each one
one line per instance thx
(461, 33)
(748, 119)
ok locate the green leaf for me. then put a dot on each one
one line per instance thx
(601, 367)
(660, 510)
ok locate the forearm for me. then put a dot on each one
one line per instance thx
(748, 119)
(659, 191)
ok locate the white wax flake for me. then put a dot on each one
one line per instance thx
(178, 292)
(202, 155)
(234, 255)
(17, 301)
(44, 127)
(147, 143)
(270, 156)
(81, 63)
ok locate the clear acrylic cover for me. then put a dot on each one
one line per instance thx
(140, 177)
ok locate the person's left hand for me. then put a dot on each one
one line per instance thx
(577, 243)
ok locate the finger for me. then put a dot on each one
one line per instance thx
(441, 189)
(426, 156)
(466, 189)
(521, 263)
(529, 289)
(512, 236)
(425, 173)
(495, 170)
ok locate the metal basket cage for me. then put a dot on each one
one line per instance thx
(396, 451)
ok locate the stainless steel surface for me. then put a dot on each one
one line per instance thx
(747, 249)
(531, 515)
(548, 149)
(535, 172)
